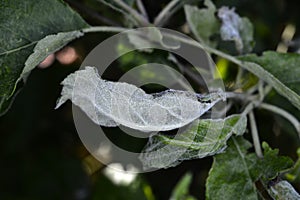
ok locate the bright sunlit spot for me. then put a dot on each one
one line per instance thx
(116, 173)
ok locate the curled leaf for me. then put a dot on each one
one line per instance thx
(113, 103)
(45, 47)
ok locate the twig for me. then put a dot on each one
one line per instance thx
(158, 20)
(112, 29)
(142, 9)
(140, 18)
(255, 136)
(284, 114)
(261, 90)
(241, 96)
(119, 10)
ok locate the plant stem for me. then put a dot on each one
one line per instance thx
(142, 9)
(140, 18)
(255, 136)
(261, 90)
(284, 114)
(163, 14)
(241, 96)
(250, 107)
(118, 10)
(112, 29)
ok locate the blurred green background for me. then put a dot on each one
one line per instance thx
(42, 156)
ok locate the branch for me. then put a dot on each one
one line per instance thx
(255, 136)
(142, 9)
(119, 10)
(140, 18)
(165, 12)
(112, 29)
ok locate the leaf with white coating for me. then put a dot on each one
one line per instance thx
(113, 103)
(237, 29)
(283, 190)
(204, 138)
(46, 46)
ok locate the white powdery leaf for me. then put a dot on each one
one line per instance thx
(113, 103)
(230, 24)
(283, 190)
(237, 29)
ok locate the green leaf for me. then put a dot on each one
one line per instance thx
(283, 190)
(230, 175)
(204, 138)
(237, 29)
(280, 70)
(23, 25)
(272, 164)
(234, 173)
(203, 22)
(181, 190)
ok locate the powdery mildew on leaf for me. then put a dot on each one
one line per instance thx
(46, 46)
(204, 138)
(283, 190)
(237, 29)
(112, 103)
